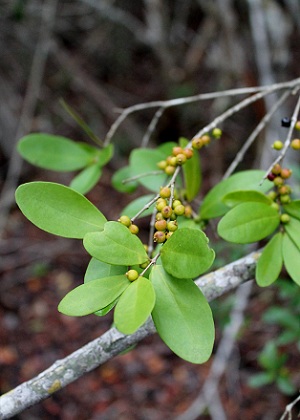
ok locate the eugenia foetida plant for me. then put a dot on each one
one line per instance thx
(156, 279)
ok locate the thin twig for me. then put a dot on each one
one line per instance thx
(152, 126)
(288, 409)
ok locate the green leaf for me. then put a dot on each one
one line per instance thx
(134, 306)
(104, 155)
(270, 262)
(291, 258)
(93, 296)
(248, 222)
(186, 253)
(212, 205)
(237, 197)
(166, 148)
(121, 175)
(182, 317)
(285, 385)
(292, 228)
(191, 173)
(86, 179)
(115, 245)
(98, 269)
(283, 317)
(108, 308)
(53, 152)
(144, 162)
(58, 209)
(136, 205)
(293, 209)
(269, 358)
(260, 379)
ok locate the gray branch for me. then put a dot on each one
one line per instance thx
(112, 343)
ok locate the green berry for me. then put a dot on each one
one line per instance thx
(125, 220)
(205, 139)
(160, 204)
(165, 192)
(170, 170)
(180, 159)
(295, 144)
(277, 145)
(217, 133)
(162, 164)
(285, 199)
(134, 229)
(166, 212)
(197, 143)
(144, 265)
(188, 211)
(168, 235)
(159, 237)
(172, 226)
(278, 181)
(297, 125)
(272, 195)
(159, 216)
(284, 218)
(132, 275)
(179, 210)
(161, 225)
(176, 203)
(275, 206)
(276, 169)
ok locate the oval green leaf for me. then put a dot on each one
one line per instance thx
(93, 296)
(182, 317)
(186, 253)
(53, 152)
(270, 262)
(248, 222)
(293, 209)
(136, 205)
(143, 162)
(134, 306)
(58, 209)
(212, 205)
(292, 228)
(115, 245)
(237, 197)
(291, 258)
(98, 269)
(86, 179)
(122, 175)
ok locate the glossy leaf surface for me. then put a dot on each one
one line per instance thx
(291, 258)
(122, 175)
(58, 209)
(270, 262)
(98, 269)
(115, 245)
(182, 316)
(248, 222)
(134, 306)
(191, 173)
(292, 228)
(86, 179)
(237, 197)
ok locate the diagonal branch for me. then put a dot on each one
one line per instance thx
(100, 350)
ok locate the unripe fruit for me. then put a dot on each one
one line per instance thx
(168, 235)
(173, 216)
(162, 164)
(181, 159)
(217, 133)
(159, 237)
(285, 173)
(285, 189)
(205, 139)
(275, 206)
(277, 145)
(188, 211)
(297, 125)
(188, 153)
(179, 210)
(285, 198)
(272, 195)
(165, 192)
(172, 226)
(177, 150)
(276, 169)
(159, 216)
(161, 225)
(160, 204)
(295, 144)
(144, 265)
(176, 203)
(132, 275)
(284, 218)
(125, 220)
(197, 143)
(134, 229)
(173, 161)
(278, 181)
(166, 212)
(170, 170)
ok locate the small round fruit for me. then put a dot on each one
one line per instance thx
(170, 170)
(285, 199)
(295, 144)
(173, 161)
(161, 225)
(160, 204)
(297, 125)
(134, 229)
(132, 275)
(197, 143)
(176, 203)
(165, 192)
(278, 181)
(285, 189)
(217, 133)
(277, 145)
(168, 235)
(177, 150)
(166, 212)
(172, 226)
(181, 159)
(188, 211)
(159, 237)
(205, 139)
(275, 206)
(159, 216)
(144, 265)
(271, 176)
(162, 164)
(285, 173)
(284, 218)
(125, 220)
(179, 210)
(272, 195)
(276, 169)
(188, 153)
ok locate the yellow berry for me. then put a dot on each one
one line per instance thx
(160, 225)
(134, 229)
(132, 275)
(197, 143)
(165, 192)
(179, 210)
(295, 144)
(181, 159)
(177, 150)
(125, 220)
(217, 133)
(159, 237)
(170, 170)
(188, 153)
(277, 145)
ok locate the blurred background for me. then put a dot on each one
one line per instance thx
(100, 56)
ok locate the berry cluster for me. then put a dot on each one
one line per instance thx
(295, 143)
(166, 216)
(126, 221)
(281, 194)
(178, 158)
